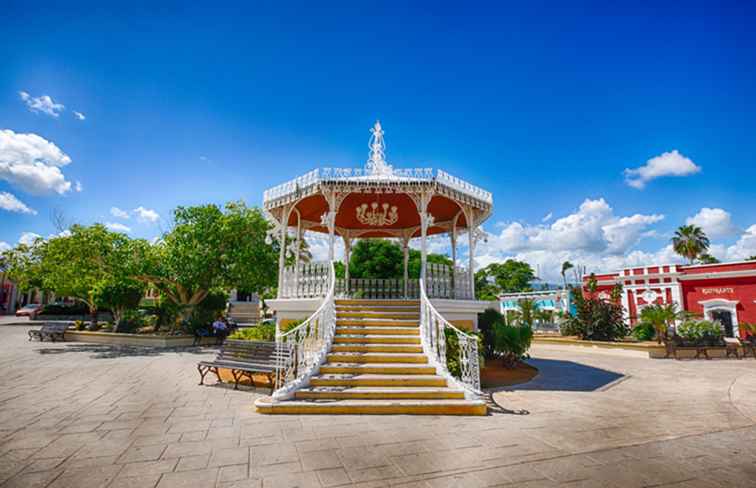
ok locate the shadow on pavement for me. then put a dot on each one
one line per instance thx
(109, 351)
(558, 375)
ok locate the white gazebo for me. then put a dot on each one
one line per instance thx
(377, 201)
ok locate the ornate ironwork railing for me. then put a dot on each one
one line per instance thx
(377, 289)
(434, 329)
(309, 342)
(308, 280)
(311, 280)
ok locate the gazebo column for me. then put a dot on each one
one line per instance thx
(283, 225)
(298, 249)
(453, 239)
(426, 221)
(347, 256)
(472, 238)
(328, 220)
(405, 249)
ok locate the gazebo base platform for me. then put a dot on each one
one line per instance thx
(376, 365)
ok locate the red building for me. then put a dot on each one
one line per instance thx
(725, 292)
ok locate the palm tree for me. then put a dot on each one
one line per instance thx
(690, 241)
(566, 266)
(528, 309)
(660, 317)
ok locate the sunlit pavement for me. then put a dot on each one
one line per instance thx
(89, 415)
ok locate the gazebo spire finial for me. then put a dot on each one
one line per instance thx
(377, 165)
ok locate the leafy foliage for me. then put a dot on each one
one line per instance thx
(596, 319)
(700, 331)
(644, 331)
(659, 318)
(690, 242)
(384, 259)
(487, 322)
(506, 277)
(264, 332)
(452, 351)
(209, 248)
(512, 342)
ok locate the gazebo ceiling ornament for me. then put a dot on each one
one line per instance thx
(375, 216)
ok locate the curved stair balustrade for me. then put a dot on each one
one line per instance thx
(310, 342)
(433, 328)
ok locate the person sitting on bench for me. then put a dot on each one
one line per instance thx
(220, 329)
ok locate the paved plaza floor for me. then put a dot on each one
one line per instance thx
(76, 415)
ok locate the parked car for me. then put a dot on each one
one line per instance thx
(30, 310)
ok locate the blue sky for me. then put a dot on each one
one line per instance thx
(543, 104)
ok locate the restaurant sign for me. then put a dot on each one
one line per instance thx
(718, 291)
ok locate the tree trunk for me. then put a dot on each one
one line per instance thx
(93, 313)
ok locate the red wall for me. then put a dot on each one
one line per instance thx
(743, 290)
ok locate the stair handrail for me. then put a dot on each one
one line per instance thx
(309, 344)
(433, 328)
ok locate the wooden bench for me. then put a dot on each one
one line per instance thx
(246, 358)
(51, 331)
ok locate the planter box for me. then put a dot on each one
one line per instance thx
(143, 340)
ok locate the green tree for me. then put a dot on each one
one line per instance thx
(209, 248)
(690, 242)
(595, 318)
(93, 265)
(507, 277)
(384, 259)
(22, 265)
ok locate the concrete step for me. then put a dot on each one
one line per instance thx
(383, 380)
(378, 308)
(377, 322)
(378, 392)
(373, 407)
(378, 315)
(376, 303)
(385, 347)
(382, 368)
(377, 357)
(355, 330)
(376, 339)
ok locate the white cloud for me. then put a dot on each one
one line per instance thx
(43, 104)
(744, 248)
(547, 217)
(147, 215)
(32, 163)
(715, 222)
(10, 203)
(28, 238)
(4, 246)
(79, 187)
(593, 236)
(117, 227)
(118, 213)
(667, 164)
(79, 115)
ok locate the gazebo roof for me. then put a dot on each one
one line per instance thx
(381, 189)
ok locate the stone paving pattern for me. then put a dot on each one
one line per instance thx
(76, 415)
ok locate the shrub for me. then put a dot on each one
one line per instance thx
(512, 342)
(700, 331)
(596, 319)
(79, 324)
(644, 331)
(263, 332)
(487, 322)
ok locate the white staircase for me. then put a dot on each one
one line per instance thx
(376, 365)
